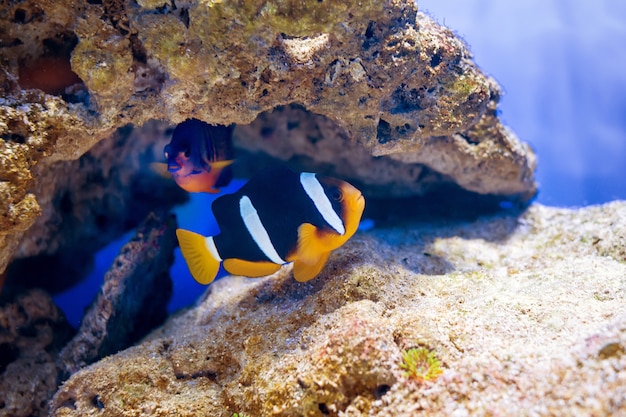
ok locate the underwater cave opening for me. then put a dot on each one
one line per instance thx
(190, 215)
(451, 203)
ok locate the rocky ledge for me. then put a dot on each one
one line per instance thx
(396, 101)
(526, 312)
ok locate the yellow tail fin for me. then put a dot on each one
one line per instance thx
(202, 265)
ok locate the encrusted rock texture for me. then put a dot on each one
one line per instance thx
(526, 311)
(396, 85)
(89, 202)
(304, 141)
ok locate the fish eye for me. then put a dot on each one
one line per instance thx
(336, 194)
(166, 151)
(187, 152)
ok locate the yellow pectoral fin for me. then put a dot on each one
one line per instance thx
(303, 271)
(202, 265)
(161, 169)
(310, 244)
(250, 269)
(220, 164)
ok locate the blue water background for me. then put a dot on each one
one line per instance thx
(562, 66)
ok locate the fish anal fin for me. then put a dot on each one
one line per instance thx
(250, 269)
(303, 271)
(202, 265)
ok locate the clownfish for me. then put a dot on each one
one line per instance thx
(277, 217)
(199, 156)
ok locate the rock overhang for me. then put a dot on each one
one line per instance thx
(393, 86)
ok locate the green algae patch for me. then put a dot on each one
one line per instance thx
(153, 4)
(167, 39)
(295, 18)
(99, 69)
(420, 365)
(103, 60)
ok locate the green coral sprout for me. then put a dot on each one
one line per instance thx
(420, 364)
(240, 415)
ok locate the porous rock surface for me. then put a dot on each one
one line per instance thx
(527, 312)
(310, 142)
(396, 84)
(89, 202)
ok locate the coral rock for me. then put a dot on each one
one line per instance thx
(525, 311)
(89, 202)
(394, 84)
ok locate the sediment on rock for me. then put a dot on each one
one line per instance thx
(526, 311)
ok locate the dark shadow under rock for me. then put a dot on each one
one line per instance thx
(447, 203)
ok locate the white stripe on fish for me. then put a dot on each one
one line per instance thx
(260, 236)
(315, 191)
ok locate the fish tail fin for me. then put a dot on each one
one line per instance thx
(201, 262)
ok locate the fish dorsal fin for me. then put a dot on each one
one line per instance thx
(200, 254)
(250, 269)
(303, 272)
(160, 169)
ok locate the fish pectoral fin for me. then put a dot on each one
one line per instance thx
(310, 244)
(210, 190)
(250, 269)
(160, 169)
(314, 247)
(202, 265)
(303, 271)
(220, 164)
